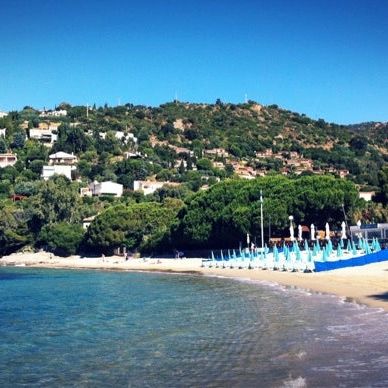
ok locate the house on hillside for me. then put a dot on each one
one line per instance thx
(3, 131)
(108, 188)
(53, 113)
(149, 187)
(366, 195)
(264, 154)
(46, 136)
(343, 173)
(49, 171)
(87, 221)
(132, 155)
(181, 150)
(220, 152)
(3, 114)
(7, 159)
(62, 158)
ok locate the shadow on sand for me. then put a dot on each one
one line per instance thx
(383, 296)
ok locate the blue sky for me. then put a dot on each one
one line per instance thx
(327, 59)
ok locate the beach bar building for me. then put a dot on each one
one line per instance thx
(369, 231)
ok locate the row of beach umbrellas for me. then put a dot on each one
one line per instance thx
(290, 258)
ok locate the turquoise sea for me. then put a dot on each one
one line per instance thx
(62, 328)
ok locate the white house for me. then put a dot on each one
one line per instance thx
(366, 195)
(87, 221)
(3, 114)
(49, 171)
(106, 188)
(149, 187)
(54, 113)
(132, 155)
(3, 131)
(62, 158)
(119, 135)
(43, 135)
(7, 159)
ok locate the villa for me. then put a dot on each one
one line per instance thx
(7, 159)
(149, 187)
(62, 158)
(43, 135)
(49, 171)
(106, 188)
(53, 113)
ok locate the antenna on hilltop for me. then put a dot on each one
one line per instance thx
(176, 97)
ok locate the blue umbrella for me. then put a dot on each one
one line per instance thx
(306, 245)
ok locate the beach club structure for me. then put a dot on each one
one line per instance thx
(301, 257)
(314, 255)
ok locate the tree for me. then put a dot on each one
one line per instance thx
(36, 166)
(359, 144)
(25, 188)
(204, 164)
(71, 139)
(13, 231)
(222, 215)
(63, 238)
(19, 139)
(3, 146)
(56, 200)
(136, 226)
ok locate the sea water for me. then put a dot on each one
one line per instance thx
(62, 328)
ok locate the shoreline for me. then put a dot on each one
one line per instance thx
(365, 285)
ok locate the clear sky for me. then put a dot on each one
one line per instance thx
(328, 59)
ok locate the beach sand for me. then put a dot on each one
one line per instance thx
(366, 285)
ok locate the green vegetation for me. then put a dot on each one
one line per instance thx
(192, 146)
(63, 238)
(229, 210)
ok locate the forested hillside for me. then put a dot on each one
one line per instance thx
(188, 148)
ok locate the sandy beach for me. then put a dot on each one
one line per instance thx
(366, 285)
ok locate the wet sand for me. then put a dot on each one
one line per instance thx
(365, 285)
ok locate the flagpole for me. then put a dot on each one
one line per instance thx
(261, 221)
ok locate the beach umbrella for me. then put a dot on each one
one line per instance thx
(212, 254)
(276, 253)
(349, 246)
(378, 247)
(300, 232)
(292, 238)
(312, 232)
(306, 245)
(324, 254)
(327, 231)
(222, 256)
(339, 251)
(343, 230)
(367, 248)
(354, 250)
(317, 247)
(341, 243)
(360, 243)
